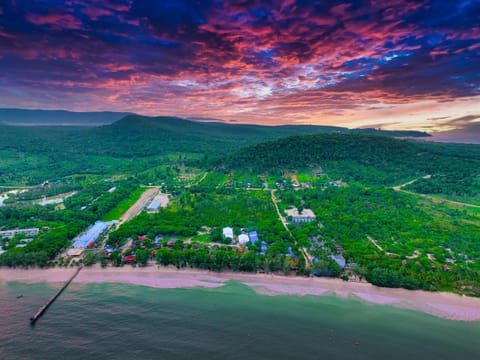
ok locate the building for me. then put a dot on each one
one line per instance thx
(253, 236)
(227, 233)
(307, 215)
(290, 253)
(171, 243)
(158, 239)
(9, 234)
(74, 252)
(129, 259)
(161, 200)
(340, 260)
(263, 248)
(154, 205)
(243, 239)
(89, 237)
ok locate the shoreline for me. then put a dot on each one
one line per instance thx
(441, 304)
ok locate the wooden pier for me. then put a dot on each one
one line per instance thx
(40, 311)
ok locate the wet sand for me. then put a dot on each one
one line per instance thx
(445, 305)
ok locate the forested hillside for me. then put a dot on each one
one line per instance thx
(34, 154)
(368, 159)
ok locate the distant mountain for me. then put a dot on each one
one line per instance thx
(392, 133)
(469, 134)
(138, 123)
(22, 117)
(142, 135)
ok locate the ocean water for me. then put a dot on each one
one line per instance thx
(117, 321)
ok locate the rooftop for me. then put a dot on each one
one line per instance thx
(306, 213)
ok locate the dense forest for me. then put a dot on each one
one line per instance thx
(32, 155)
(369, 160)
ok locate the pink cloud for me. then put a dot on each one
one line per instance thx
(94, 13)
(56, 21)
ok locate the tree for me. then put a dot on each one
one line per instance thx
(142, 256)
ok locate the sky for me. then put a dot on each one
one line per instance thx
(390, 64)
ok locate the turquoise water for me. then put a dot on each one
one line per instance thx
(116, 321)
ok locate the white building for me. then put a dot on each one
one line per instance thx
(307, 215)
(228, 233)
(11, 233)
(243, 239)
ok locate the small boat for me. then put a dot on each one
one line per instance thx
(19, 296)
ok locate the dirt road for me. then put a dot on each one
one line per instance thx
(431, 197)
(306, 255)
(139, 205)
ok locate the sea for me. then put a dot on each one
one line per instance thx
(119, 321)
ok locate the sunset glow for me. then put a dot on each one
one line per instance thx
(393, 64)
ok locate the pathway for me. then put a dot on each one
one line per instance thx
(431, 197)
(304, 252)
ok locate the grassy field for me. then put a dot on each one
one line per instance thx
(123, 205)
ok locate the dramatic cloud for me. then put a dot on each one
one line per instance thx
(401, 63)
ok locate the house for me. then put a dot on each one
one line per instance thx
(306, 215)
(154, 205)
(171, 243)
(157, 240)
(290, 253)
(129, 259)
(74, 252)
(142, 237)
(243, 239)
(340, 260)
(9, 234)
(108, 250)
(263, 248)
(339, 248)
(253, 236)
(227, 233)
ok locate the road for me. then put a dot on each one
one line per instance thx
(307, 257)
(431, 197)
(139, 205)
(198, 182)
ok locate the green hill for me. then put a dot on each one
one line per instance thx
(141, 136)
(33, 154)
(368, 159)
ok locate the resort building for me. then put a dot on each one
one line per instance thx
(340, 260)
(227, 233)
(9, 234)
(307, 215)
(161, 200)
(89, 237)
(243, 239)
(253, 236)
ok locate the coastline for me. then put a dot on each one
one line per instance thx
(441, 304)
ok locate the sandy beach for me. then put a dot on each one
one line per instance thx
(445, 305)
